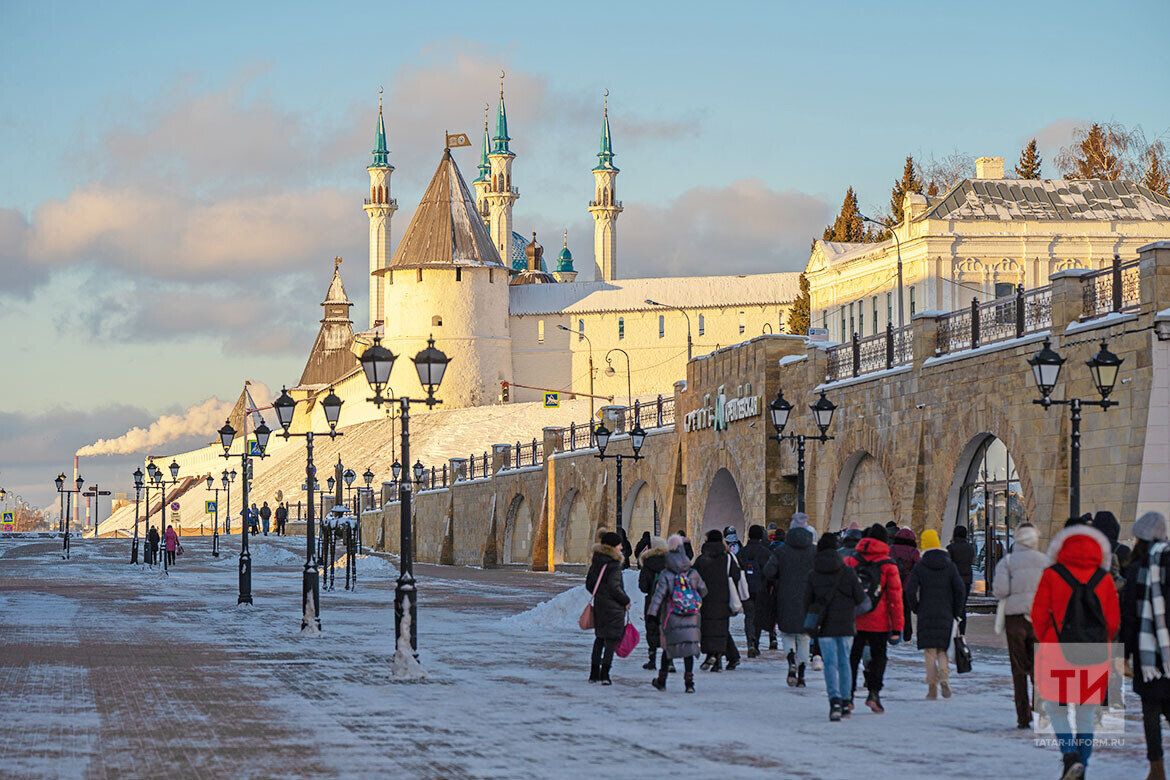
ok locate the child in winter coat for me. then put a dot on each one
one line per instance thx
(651, 561)
(883, 624)
(1016, 579)
(831, 596)
(935, 592)
(609, 604)
(1080, 553)
(676, 602)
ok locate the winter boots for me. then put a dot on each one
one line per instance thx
(874, 702)
(791, 669)
(659, 682)
(717, 665)
(689, 679)
(772, 643)
(1073, 768)
(945, 688)
(835, 710)
(800, 676)
(707, 663)
(753, 651)
(650, 664)
(594, 673)
(931, 691)
(605, 675)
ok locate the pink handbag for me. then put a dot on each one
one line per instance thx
(628, 641)
(586, 619)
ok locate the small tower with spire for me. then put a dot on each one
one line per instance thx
(482, 183)
(500, 194)
(565, 272)
(605, 206)
(380, 208)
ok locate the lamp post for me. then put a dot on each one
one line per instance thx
(580, 333)
(610, 372)
(137, 504)
(898, 245)
(430, 364)
(161, 483)
(1104, 368)
(637, 438)
(348, 476)
(226, 435)
(368, 478)
(148, 482)
(285, 407)
(68, 494)
(822, 412)
(690, 345)
(95, 494)
(215, 529)
(227, 480)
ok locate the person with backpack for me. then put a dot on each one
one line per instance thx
(610, 604)
(759, 612)
(962, 554)
(679, 594)
(904, 551)
(788, 573)
(1016, 578)
(935, 593)
(718, 569)
(1145, 630)
(882, 623)
(831, 596)
(650, 564)
(1076, 603)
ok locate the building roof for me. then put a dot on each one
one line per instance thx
(688, 292)
(381, 153)
(331, 358)
(501, 139)
(1049, 199)
(446, 229)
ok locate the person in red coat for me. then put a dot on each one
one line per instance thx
(884, 623)
(1085, 554)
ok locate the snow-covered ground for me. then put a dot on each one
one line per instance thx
(113, 670)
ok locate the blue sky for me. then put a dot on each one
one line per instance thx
(177, 179)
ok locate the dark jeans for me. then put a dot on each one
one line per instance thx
(1153, 710)
(907, 614)
(876, 669)
(1021, 642)
(171, 557)
(664, 666)
(604, 660)
(963, 617)
(751, 628)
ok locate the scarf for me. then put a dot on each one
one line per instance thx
(1153, 634)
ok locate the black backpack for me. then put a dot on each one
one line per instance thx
(869, 573)
(1084, 619)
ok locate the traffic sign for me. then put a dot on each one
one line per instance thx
(254, 449)
(209, 507)
(8, 521)
(174, 506)
(552, 400)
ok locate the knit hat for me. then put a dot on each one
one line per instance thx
(729, 533)
(1150, 527)
(799, 520)
(657, 543)
(1106, 523)
(714, 535)
(876, 531)
(827, 542)
(756, 532)
(1027, 536)
(675, 542)
(854, 526)
(612, 538)
(929, 540)
(961, 532)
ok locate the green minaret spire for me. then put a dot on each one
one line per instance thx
(381, 153)
(605, 152)
(501, 139)
(485, 167)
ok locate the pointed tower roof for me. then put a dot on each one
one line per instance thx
(446, 229)
(501, 139)
(565, 258)
(485, 167)
(331, 358)
(381, 153)
(605, 152)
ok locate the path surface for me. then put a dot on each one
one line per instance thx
(108, 670)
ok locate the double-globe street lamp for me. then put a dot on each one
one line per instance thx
(430, 364)
(215, 529)
(137, 505)
(227, 480)
(1104, 368)
(161, 482)
(822, 412)
(601, 435)
(227, 435)
(67, 506)
(285, 407)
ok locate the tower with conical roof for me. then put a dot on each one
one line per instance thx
(565, 271)
(605, 206)
(331, 358)
(380, 208)
(500, 194)
(482, 183)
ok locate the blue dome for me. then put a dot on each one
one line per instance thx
(565, 261)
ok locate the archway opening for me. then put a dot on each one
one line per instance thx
(638, 511)
(723, 507)
(576, 532)
(518, 532)
(862, 494)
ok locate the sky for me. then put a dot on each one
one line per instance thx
(177, 179)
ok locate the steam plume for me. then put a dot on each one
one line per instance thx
(202, 419)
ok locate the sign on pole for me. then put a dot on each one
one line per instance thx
(552, 400)
(254, 449)
(209, 507)
(8, 521)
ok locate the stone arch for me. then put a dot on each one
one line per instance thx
(966, 469)
(518, 531)
(723, 506)
(862, 493)
(854, 443)
(638, 510)
(574, 531)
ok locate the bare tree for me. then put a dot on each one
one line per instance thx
(939, 174)
(1110, 150)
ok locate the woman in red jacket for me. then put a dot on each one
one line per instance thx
(1082, 553)
(884, 623)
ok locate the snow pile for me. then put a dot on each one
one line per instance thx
(405, 666)
(374, 566)
(263, 555)
(561, 612)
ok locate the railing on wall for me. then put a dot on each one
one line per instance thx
(1113, 289)
(990, 322)
(860, 356)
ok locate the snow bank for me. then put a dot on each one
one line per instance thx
(373, 566)
(262, 554)
(561, 612)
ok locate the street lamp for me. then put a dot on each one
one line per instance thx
(1104, 368)
(161, 482)
(285, 407)
(227, 435)
(67, 494)
(601, 435)
(822, 411)
(690, 345)
(610, 372)
(215, 532)
(588, 341)
(137, 504)
(431, 365)
(227, 480)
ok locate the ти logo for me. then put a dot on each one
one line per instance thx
(1079, 675)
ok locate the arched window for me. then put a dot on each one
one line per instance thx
(702, 324)
(661, 326)
(580, 330)
(540, 331)
(419, 276)
(621, 328)
(459, 274)
(436, 321)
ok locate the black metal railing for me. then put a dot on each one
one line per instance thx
(1113, 289)
(860, 356)
(994, 321)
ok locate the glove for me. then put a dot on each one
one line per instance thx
(895, 638)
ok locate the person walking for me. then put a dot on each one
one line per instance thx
(687, 548)
(254, 519)
(677, 602)
(1145, 633)
(152, 544)
(848, 541)
(171, 540)
(1076, 602)
(281, 518)
(962, 554)
(610, 603)
(626, 549)
(651, 562)
(758, 612)
(718, 569)
(1016, 578)
(788, 572)
(935, 593)
(731, 539)
(904, 551)
(831, 596)
(643, 545)
(265, 517)
(882, 624)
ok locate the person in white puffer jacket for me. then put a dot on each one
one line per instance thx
(1016, 579)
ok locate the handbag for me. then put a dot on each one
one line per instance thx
(735, 600)
(962, 655)
(586, 619)
(628, 641)
(1000, 616)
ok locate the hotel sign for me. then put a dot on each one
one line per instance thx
(723, 411)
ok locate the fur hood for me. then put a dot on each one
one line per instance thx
(605, 549)
(1074, 532)
(652, 552)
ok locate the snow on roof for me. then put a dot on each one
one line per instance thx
(1051, 199)
(688, 292)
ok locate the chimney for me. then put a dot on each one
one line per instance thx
(989, 168)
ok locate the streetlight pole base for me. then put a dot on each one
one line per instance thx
(405, 602)
(310, 600)
(245, 578)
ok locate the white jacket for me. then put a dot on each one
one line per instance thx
(1018, 574)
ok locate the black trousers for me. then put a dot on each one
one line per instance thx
(875, 671)
(963, 619)
(1153, 710)
(1021, 642)
(171, 557)
(603, 651)
(664, 666)
(751, 627)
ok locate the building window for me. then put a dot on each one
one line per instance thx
(540, 331)
(825, 320)
(621, 328)
(852, 322)
(912, 309)
(436, 321)
(875, 315)
(661, 326)
(580, 330)
(491, 276)
(860, 318)
(702, 324)
(1004, 289)
(459, 274)
(843, 336)
(742, 323)
(889, 307)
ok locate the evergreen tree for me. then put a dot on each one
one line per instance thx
(910, 182)
(1096, 154)
(848, 226)
(800, 315)
(1157, 173)
(1029, 165)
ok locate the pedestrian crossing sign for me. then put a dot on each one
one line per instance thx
(254, 449)
(209, 507)
(8, 520)
(552, 400)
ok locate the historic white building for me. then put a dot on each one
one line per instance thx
(980, 239)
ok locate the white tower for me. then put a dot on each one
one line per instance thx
(483, 182)
(380, 208)
(605, 206)
(501, 195)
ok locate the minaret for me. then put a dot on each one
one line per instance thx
(565, 272)
(380, 208)
(482, 183)
(500, 192)
(605, 206)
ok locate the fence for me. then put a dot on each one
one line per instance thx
(1113, 289)
(994, 321)
(860, 356)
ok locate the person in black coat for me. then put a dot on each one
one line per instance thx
(609, 604)
(935, 593)
(715, 564)
(642, 546)
(152, 542)
(788, 573)
(833, 593)
(759, 613)
(625, 547)
(690, 551)
(652, 562)
(962, 554)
